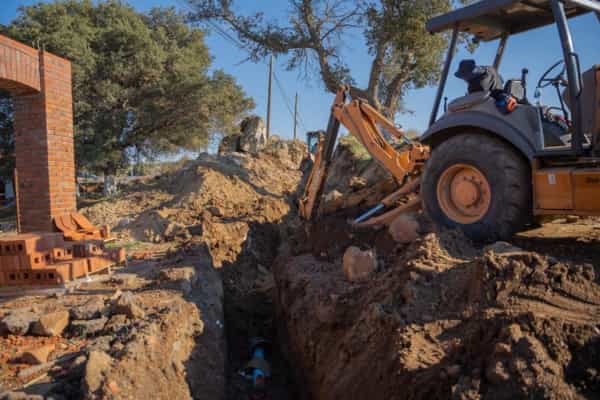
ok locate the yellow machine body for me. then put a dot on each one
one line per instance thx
(567, 190)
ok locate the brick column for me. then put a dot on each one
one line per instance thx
(44, 147)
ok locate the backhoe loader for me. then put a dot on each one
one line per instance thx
(493, 161)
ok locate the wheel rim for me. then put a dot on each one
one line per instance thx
(464, 193)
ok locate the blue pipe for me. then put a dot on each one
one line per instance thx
(369, 213)
(257, 373)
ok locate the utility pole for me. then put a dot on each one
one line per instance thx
(295, 115)
(269, 97)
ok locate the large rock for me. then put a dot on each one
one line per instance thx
(52, 324)
(176, 230)
(18, 322)
(254, 135)
(91, 327)
(92, 309)
(128, 305)
(291, 153)
(180, 278)
(97, 365)
(405, 228)
(115, 324)
(37, 356)
(359, 265)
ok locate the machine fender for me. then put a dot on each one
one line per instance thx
(460, 122)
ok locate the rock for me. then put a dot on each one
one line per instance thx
(333, 196)
(115, 324)
(514, 333)
(18, 322)
(358, 183)
(19, 396)
(123, 223)
(127, 304)
(405, 228)
(453, 370)
(101, 344)
(52, 324)
(37, 356)
(502, 349)
(502, 248)
(176, 230)
(92, 309)
(181, 278)
(98, 363)
(230, 144)
(408, 293)
(570, 219)
(254, 134)
(90, 327)
(113, 387)
(359, 265)
(116, 295)
(291, 154)
(496, 373)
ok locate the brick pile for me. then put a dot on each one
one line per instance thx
(47, 259)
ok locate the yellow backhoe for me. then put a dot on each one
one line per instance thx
(493, 161)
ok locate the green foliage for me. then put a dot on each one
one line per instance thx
(403, 54)
(7, 145)
(358, 150)
(141, 82)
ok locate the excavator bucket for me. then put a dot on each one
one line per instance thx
(315, 182)
(404, 164)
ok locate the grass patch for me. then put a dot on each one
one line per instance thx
(126, 245)
(357, 149)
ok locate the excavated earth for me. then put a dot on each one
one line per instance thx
(441, 317)
(176, 323)
(217, 257)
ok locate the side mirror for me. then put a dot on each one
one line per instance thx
(537, 95)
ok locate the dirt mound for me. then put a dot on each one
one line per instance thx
(442, 319)
(214, 199)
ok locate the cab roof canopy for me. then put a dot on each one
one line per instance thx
(489, 19)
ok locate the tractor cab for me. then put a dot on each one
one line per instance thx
(503, 107)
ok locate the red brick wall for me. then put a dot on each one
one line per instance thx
(43, 134)
(19, 67)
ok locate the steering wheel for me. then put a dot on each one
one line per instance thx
(558, 79)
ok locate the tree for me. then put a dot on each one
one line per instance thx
(141, 82)
(7, 144)
(403, 54)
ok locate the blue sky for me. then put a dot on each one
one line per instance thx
(535, 50)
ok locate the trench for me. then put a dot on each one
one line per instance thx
(250, 314)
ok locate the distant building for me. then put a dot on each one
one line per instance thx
(7, 192)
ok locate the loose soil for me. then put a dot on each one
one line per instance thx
(443, 318)
(217, 257)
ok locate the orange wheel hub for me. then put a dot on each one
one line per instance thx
(464, 193)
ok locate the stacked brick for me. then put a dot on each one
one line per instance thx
(46, 259)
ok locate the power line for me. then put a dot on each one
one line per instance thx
(228, 37)
(286, 100)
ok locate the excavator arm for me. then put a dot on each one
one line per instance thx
(364, 122)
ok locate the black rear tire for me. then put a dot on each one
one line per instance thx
(509, 177)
